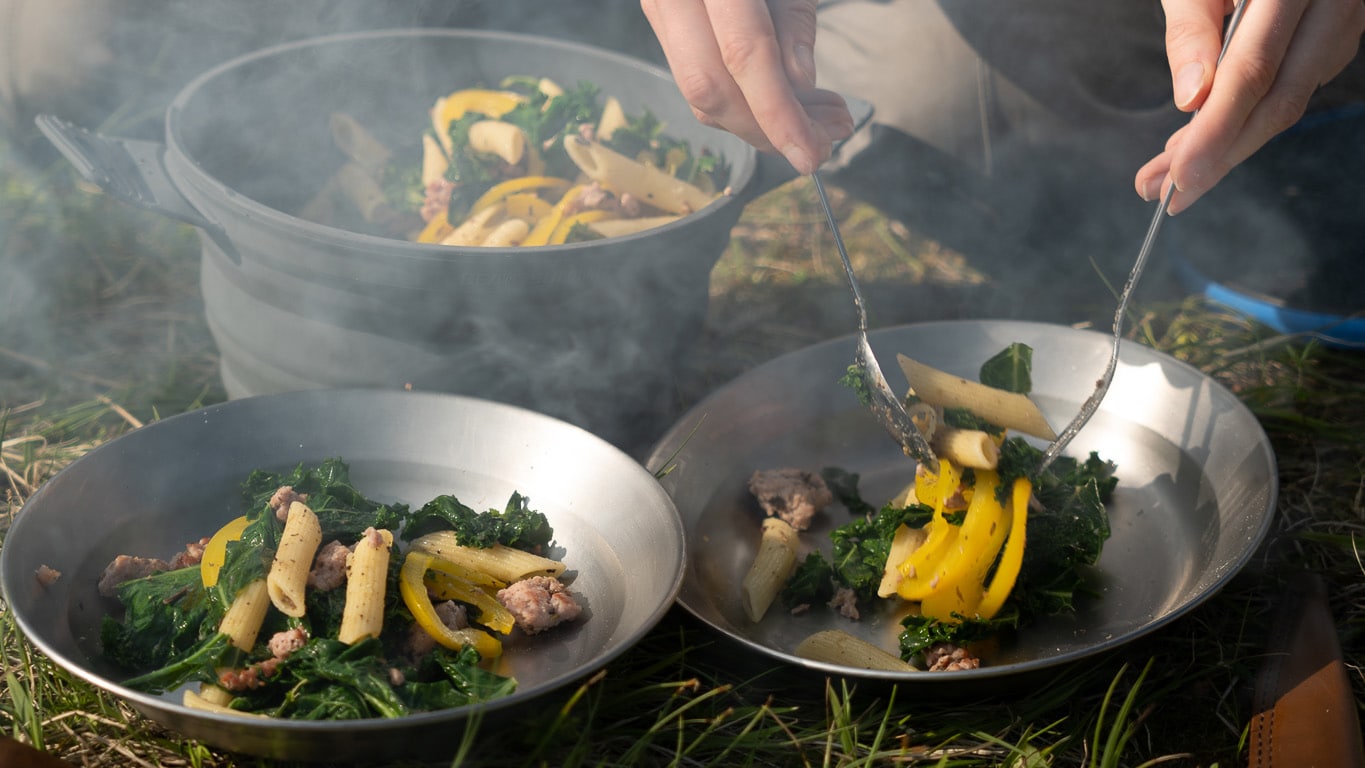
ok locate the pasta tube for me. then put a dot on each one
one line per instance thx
(288, 576)
(1010, 410)
(367, 571)
(623, 175)
(496, 137)
(773, 564)
(966, 447)
(905, 541)
(474, 229)
(244, 617)
(835, 646)
(505, 564)
(357, 143)
(613, 117)
(509, 232)
(204, 704)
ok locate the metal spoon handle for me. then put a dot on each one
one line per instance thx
(1092, 403)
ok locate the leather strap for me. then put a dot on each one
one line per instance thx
(1305, 712)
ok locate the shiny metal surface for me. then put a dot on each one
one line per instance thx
(176, 480)
(1197, 484)
(885, 405)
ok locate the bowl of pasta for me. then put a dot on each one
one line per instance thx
(508, 216)
(815, 541)
(347, 573)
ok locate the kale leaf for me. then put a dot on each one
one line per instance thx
(862, 545)
(918, 632)
(1010, 369)
(516, 526)
(343, 511)
(811, 583)
(164, 616)
(198, 663)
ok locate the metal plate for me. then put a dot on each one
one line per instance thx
(1197, 484)
(176, 480)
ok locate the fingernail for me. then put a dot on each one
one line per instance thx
(799, 159)
(1188, 81)
(1151, 189)
(805, 62)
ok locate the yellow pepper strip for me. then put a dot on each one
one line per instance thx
(540, 234)
(412, 587)
(215, 552)
(1007, 572)
(478, 100)
(436, 230)
(445, 580)
(527, 206)
(918, 569)
(976, 545)
(551, 185)
(566, 226)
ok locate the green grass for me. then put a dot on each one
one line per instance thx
(124, 311)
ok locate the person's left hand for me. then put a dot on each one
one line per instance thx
(1282, 52)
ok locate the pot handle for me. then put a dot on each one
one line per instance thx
(772, 170)
(128, 169)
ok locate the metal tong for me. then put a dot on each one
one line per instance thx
(1092, 403)
(884, 404)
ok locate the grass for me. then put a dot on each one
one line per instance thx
(116, 291)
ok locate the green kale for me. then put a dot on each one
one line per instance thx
(862, 546)
(199, 663)
(844, 485)
(963, 418)
(811, 583)
(517, 526)
(1010, 369)
(546, 120)
(327, 680)
(343, 511)
(456, 679)
(855, 378)
(921, 632)
(164, 616)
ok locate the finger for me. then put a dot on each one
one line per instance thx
(1256, 94)
(685, 34)
(747, 39)
(794, 21)
(1194, 36)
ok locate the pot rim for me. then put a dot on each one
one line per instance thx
(743, 174)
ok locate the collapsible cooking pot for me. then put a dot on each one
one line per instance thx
(589, 332)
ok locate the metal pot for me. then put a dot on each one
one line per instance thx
(588, 332)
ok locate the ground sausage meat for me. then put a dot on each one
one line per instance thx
(845, 601)
(329, 567)
(795, 495)
(192, 554)
(946, 657)
(282, 498)
(539, 603)
(126, 568)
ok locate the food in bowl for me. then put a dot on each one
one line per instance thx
(983, 544)
(320, 603)
(528, 163)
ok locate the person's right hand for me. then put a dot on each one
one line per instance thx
(748, 66)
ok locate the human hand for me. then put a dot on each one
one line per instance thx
(1282, 52)
(748, 66)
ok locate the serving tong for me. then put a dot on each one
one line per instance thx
(889, 409)
(1092, 403)
(884, 404)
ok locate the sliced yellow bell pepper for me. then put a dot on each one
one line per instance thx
(436, 230)
(975, 547)
(551, 185)
(918, 569)
(566, 225)
(412, 586)
(478, 100)
(545, 228)
(449, 581)
(215, 552)
(1007, 572)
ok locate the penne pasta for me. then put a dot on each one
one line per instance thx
(773, 563)
(505, 564)
(905, 541)
(358, 144)
(367, 574)
(474, 229)
(1004, 409)
(834, 646)
(496, 137)
(624, 175)
(508, 232)
(613, 117)
(242, 622)
(203, 704)
(966, 447)
(435, 161)
(288, 574)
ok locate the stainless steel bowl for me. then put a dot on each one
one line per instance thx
(1197, 485)
(176, 480)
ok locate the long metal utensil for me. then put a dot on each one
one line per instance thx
(1092, 403)
(884, 404)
